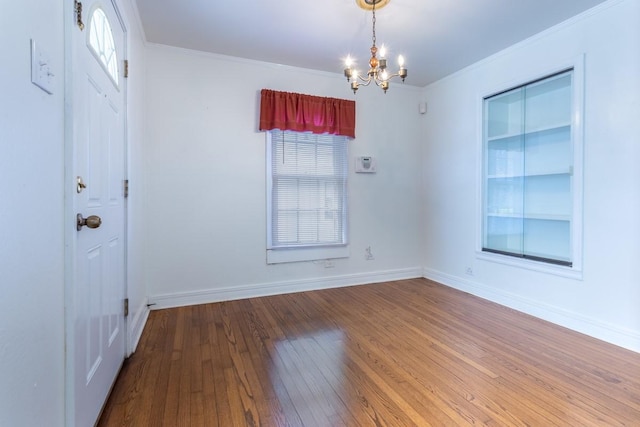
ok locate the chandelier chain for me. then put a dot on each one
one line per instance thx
(374, 22)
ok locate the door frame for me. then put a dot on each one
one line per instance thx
(70, 267)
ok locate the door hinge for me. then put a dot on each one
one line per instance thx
(126, 188)
(126, 307)
(126, 68)
(78, 9)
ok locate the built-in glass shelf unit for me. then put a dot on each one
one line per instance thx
(528, 171)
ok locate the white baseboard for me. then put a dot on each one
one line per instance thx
(136, 326)
(595, 328)
(265, 289)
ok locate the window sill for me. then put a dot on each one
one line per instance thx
(283, 255)
(557, 270)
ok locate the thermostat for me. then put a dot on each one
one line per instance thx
(365, 164)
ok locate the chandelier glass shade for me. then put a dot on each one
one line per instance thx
(377, 63)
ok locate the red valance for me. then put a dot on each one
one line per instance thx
(298, 112)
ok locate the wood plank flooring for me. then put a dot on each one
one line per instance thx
(406, 353)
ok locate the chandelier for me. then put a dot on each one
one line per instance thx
(378, 65)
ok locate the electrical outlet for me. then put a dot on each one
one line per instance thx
(469, 271)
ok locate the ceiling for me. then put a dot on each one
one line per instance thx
(436, 37)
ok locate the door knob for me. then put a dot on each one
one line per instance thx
(92, 221)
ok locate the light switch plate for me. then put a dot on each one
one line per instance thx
(41, 74)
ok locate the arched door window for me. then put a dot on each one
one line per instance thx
(102, 44)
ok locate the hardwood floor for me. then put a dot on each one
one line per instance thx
(406, 353)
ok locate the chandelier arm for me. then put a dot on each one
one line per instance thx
(365, 82)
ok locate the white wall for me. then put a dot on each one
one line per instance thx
(205, 180)
(31, 219)
(606, 302)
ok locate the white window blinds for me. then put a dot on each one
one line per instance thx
(306, 195)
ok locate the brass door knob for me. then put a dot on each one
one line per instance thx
(92, 221)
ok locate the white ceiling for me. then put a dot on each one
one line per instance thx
(436, 37)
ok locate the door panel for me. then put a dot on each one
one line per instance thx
(99, 158)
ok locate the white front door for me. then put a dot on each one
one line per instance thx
(96, 329)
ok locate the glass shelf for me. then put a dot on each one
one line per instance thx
(567, 172)
(560, 127)
(532, 216)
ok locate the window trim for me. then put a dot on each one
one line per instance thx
(575, 271)
(299, 253)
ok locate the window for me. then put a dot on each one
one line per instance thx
(529, 182)
(102, 43)
(306, 195)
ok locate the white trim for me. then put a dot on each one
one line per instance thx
(612, 334)
(229, 293)
(137, 325)
(69, 210)
(282, 255)
(270, 65)
(542, 267)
